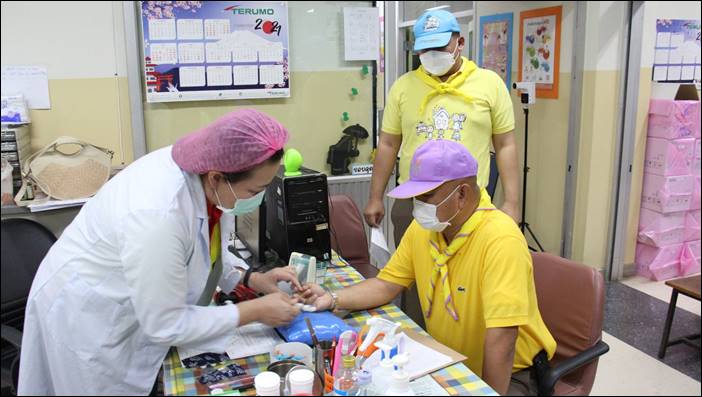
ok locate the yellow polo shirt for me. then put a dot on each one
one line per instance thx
(449, 116)
(492, 285)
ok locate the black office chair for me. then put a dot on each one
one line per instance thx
(24, 245)
(494, 175)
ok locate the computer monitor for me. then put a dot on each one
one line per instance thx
(250, 230)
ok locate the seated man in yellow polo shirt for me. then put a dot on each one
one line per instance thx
(472, 267)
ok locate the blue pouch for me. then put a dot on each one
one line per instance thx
(326, 325)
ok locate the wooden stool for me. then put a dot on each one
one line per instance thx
(689, 286)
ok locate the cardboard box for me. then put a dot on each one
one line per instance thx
(673, 119)
(692, 225)
(690, 258)
(657, 229)
(669, 158)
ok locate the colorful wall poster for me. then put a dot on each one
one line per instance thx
(495, 52)
(539, 49)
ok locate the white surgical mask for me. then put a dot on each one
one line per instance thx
(425, 214)
(242, 206)
(438, 63)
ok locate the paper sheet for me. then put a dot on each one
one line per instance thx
(427, 386)
(361, 33)
(56, 204)
(253, 339)
(422, 359)
(30, 81)
(379, 250)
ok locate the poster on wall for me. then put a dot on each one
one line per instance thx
(677, 53)
(206, 50)
(496, 45)
(539, 49)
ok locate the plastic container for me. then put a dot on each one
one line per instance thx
(267, 384)
(399, 383)
(344, 382)
(301, 382)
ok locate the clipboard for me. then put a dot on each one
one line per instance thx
(430, 342)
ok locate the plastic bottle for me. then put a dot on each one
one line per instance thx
(399, 384)
(383, 372)
(344, 382)
(363, 381)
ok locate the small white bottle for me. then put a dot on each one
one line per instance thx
(399, 384)
(383, 372)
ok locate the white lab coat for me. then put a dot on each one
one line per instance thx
(120, 286)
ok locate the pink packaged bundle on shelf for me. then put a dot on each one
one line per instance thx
(658, 263)
(669, 158)
(667, 194)
(697, 159)
(695, 202)
(671, 119)
(690, 258)
(692, 225)
(656, 229)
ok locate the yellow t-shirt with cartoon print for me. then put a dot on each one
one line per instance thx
(480, 107)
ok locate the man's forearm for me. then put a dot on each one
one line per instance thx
(367, 294)
(508, 167)
(383, 165)
(498, 357)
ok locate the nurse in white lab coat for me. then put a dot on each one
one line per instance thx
(132, 275)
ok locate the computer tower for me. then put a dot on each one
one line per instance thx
(297, 215)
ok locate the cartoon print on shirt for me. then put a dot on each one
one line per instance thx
(441, 121)
(458, 120)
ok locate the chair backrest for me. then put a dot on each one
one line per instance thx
(571, 301)
(24, 245)
(348, 233)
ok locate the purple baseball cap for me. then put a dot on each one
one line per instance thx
(434, 163)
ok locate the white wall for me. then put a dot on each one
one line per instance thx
(317, 35)
(606, 35)
(72, 39)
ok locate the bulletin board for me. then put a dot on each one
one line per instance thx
(209, 50)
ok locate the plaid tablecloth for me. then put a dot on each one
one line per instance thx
(456, 379)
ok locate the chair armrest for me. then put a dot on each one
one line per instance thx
(563, 368)
(12, 335)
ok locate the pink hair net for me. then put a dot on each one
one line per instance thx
(235, 142)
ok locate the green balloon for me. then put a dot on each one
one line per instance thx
(292, 161)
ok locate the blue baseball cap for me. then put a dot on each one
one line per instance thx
(433, 29)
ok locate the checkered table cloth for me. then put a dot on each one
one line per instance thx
(456, 379)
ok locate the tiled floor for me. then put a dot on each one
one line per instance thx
(643, 376)
(634, 316)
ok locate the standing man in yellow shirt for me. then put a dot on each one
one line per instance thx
(448, 97)
(472, 268)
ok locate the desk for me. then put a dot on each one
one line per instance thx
(456, 379)
(689, 286)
